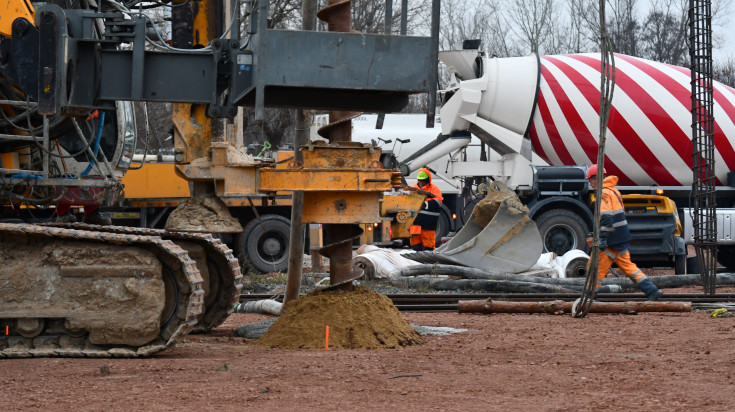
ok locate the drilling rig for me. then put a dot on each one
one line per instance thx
(83, 290)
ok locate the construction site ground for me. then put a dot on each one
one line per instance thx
(523, 362)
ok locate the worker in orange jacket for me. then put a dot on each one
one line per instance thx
(423, 230)
(615, 235)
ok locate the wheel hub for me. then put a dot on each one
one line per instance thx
(272, 246)
(560, 239)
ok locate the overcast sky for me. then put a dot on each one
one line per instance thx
(728, 46)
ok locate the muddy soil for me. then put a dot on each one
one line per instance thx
(653, 361)
(486, 209)
(359, 319)
(202, 214)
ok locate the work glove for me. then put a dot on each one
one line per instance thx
(603, 243)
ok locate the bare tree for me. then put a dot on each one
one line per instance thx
(531, 20)
(368, 16)
(582, 31)
(502, 42)
(154, 127)
(284, 14)
(623, 26)
(724, 71)
(665, 29)
(277, 127)
(465, 20)
(663, 38)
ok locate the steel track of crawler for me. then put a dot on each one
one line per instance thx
(224, 263)
(172, 255)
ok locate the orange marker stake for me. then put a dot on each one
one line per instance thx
(326, 340)
(7, 330)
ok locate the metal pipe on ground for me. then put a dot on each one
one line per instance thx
(267, 306)
(478, 279)
(559, 307)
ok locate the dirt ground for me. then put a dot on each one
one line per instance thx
(654, 361)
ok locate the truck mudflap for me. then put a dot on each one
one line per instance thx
(499, 236)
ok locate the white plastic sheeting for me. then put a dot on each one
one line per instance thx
(564, 265)
(385, 261)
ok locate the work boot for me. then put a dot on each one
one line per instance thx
(96, 218)
(67, 218)
(651, 291)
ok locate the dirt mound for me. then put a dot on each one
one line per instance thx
(361, 319)
(206, 215)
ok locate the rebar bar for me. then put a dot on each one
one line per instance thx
(703, 147)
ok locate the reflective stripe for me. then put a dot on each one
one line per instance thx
(622, 223)
(639, 280)
(609, 253)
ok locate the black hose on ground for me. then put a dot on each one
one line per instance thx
(509, 286)
(477, 279)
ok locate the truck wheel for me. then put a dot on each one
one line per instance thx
(265, 247)
(562, 231)
(442, 227)
(680, 264)
(726, 256)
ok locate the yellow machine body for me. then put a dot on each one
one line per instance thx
(650, 205)
(13, 9)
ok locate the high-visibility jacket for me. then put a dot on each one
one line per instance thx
(613, 225)
(428, 215)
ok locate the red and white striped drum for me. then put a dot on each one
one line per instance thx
(649, 139)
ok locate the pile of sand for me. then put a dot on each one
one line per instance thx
(361, 319)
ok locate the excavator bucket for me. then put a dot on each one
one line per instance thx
(499, 236)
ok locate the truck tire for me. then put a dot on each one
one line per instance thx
(680, 264)
(443, 226)
(265, 247)
(726, 256)
(562, 231)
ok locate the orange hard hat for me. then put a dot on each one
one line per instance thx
(592, 171)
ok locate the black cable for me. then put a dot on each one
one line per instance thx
(156, 4)
(147, 137)
(59, 155)
(582, 306)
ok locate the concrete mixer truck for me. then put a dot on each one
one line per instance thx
(545, 109)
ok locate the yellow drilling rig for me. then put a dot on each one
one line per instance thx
(86, 290)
